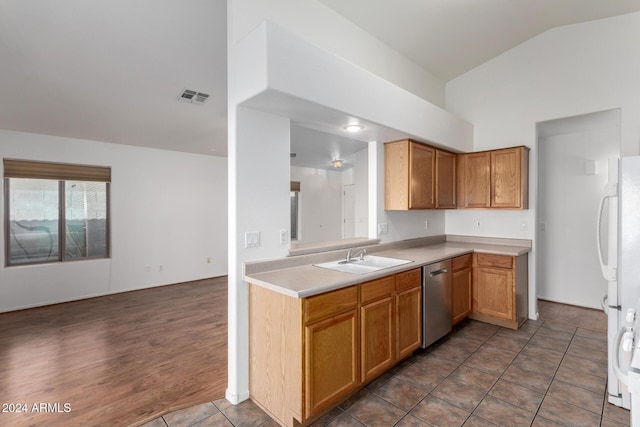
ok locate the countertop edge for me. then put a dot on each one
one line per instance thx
(285, 280)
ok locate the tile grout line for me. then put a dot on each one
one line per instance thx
(554, 375)
(413, 360)
(500, 377)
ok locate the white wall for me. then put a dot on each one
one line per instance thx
(259, 191)
(320, 204)
(323, 27)
(567, 71)
(320, 199)
(567, 206)
(176, 219)
(361, 181)
(272, 61)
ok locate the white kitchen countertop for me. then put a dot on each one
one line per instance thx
(307, 280)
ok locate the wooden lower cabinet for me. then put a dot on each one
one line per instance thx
(500, 289)
(307, 355)
(331, 361)
(494, 293)
(378, 336)
(408, 299)
(461, 279)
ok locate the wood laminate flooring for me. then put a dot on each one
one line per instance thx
(117, 360)
(158, 357)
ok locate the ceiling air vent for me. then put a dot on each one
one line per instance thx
(193, 97)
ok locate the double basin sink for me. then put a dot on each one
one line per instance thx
(362, 265)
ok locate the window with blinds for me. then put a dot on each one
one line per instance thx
(55, 212)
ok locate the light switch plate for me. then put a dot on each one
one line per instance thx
(284, 237)
(252, 239)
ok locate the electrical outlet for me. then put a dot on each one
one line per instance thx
(208, 260)
(161, 267)
(383, 228)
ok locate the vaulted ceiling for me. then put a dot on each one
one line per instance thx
(113, 70)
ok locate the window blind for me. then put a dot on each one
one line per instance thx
(61, 171)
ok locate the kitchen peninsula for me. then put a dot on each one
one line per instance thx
(311, 329)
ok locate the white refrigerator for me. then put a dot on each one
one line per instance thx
(618, 237)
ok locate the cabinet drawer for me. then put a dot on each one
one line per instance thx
(408, 279)
(491, 260)
(330, 303)
(376, 289)
(461, 262)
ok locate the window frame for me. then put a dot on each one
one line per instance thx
(102, 176)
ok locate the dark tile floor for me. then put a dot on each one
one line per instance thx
(545, 374)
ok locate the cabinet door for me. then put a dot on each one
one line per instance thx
(494, 293)
(460, 295)
(476, 180)
(506, 174)
(396, 175)
(331, 361)
(378, 337)
(408, 321)
(445, 180)
(421, 176)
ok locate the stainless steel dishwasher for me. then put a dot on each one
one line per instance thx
(436, 301)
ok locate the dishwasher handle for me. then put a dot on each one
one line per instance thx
(438, 272)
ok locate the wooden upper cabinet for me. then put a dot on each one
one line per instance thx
(474, 179)
(509, 176)
(445, 180)
(494, 179)
(418, 176)
(421, 171)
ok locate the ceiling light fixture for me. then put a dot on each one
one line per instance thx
(337, 163)
(353, 127)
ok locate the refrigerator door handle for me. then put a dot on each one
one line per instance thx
(605, 303)
(606, 270)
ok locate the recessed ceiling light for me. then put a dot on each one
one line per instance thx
(337, 163)
(354, 127)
